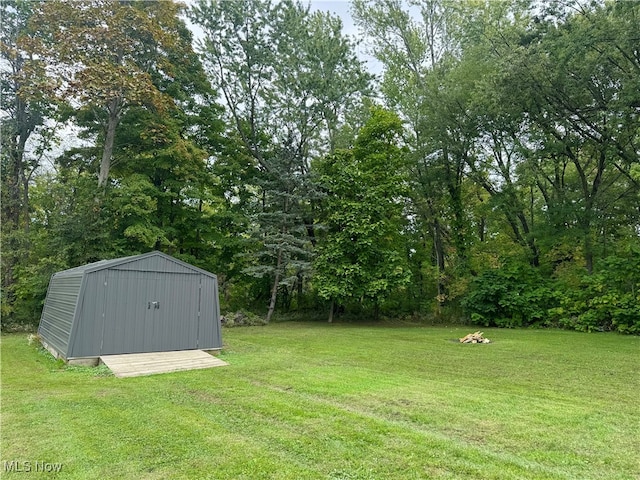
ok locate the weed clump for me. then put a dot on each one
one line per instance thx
(242, 318)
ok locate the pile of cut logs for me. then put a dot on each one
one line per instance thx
(475, 338)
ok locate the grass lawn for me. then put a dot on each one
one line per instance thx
(318, 401)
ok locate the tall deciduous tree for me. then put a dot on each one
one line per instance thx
(100, 55)
(161, 182)
(24, 138)
(288, 78)
(162, 155)
(362, 254)
(436, 85)
(21, 116)
(416, 44)
(558, 110)
(586, 105)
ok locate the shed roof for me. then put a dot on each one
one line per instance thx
(115, 262)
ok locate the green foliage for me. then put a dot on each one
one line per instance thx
(103, 59)
(513, 295)
(160, 179)
(505, 180)
(606, 300)
(32, 281)
(242, 318)
(289, 78)
(134, 207)
(518, 295)
(363, 254)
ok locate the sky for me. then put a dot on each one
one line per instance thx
(342, 8)
(339, 7)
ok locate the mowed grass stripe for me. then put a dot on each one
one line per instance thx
(338, 401)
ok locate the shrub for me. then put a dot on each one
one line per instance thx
(607, 300)
(242, 318)
(512, 296)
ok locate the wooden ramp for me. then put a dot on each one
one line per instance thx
(136, 364)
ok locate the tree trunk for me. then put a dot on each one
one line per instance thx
(11, 207)
(18, 203)
(331, 309)
(590, 192)
(586, 225)
(438, 247)
(529, 239)
(15, 209)
(300, 291)
(107, 151)
(588, 251)
(453, 182)
(274, 290)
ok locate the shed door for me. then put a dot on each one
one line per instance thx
(150, 311)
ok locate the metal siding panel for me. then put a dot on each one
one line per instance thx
(158, 318)
(58, 312)
(216, 310)
(87, 334)
(111, 314)
(209, 332)
(155, 320)
(176, 321)
(205, 333)
(115, 312)
(193, 307)
(165, 335)
(91, 318)
(156, 263)
(124, 307)
(130, 326)
(114, 318)
(127, 329)
(133, 313)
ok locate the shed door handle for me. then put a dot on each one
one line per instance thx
(156, 305)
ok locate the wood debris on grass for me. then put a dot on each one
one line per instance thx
(477, 337)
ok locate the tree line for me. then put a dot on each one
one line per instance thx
(490, 173)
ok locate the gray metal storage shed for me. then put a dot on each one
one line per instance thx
(144, 303)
